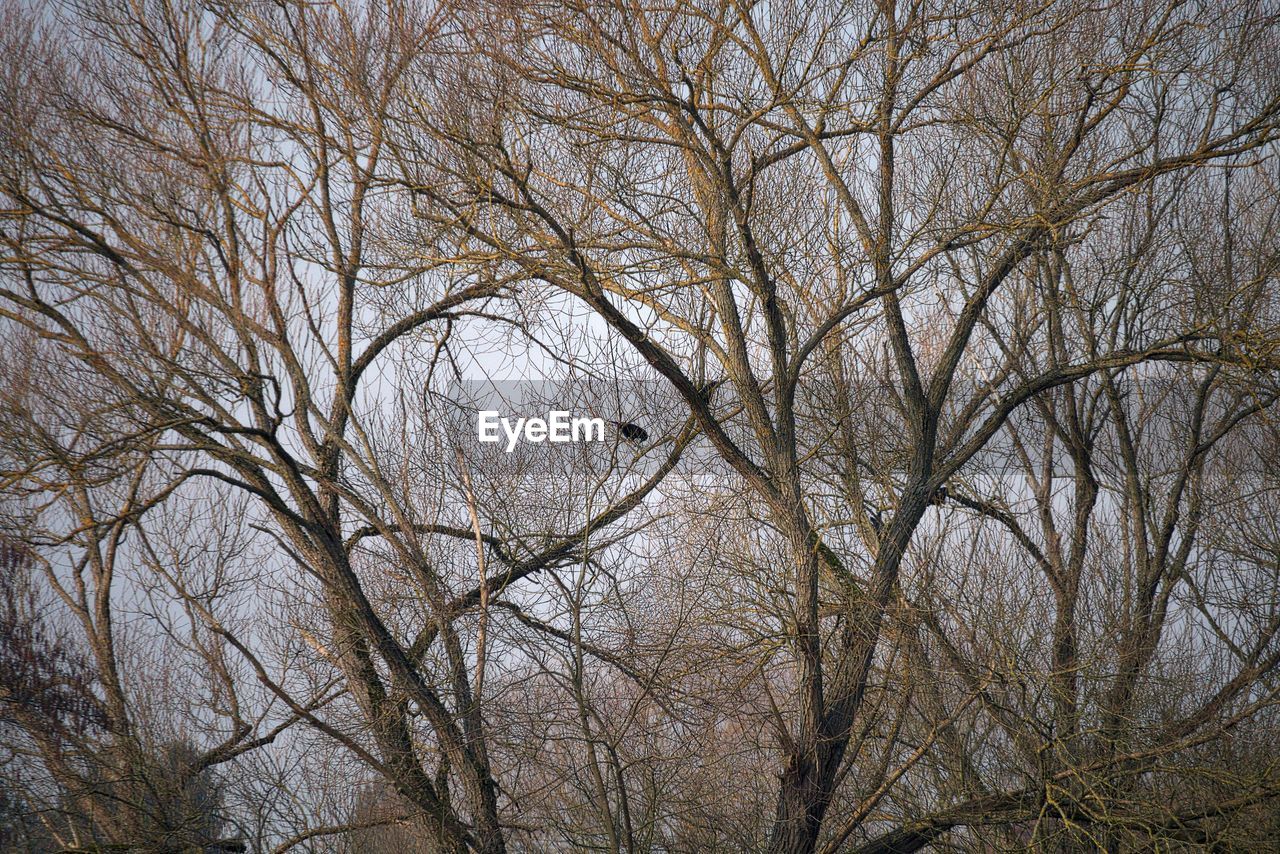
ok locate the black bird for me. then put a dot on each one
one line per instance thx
(874, 516)
(709, 388)
(634, 434)
(940, 497)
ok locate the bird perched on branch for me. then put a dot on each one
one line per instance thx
(875, 516)
(632, 433)
(709, 388)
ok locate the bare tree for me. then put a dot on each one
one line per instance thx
(197, 216)
(759, 186)
(951, 525)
